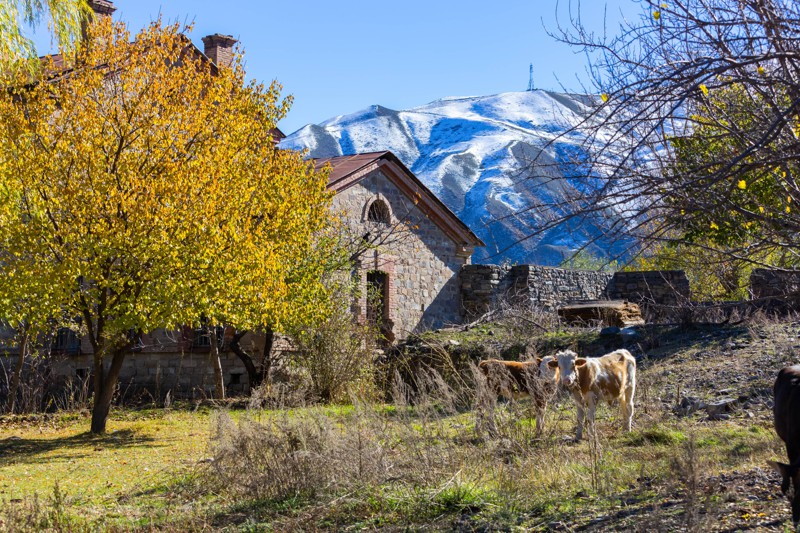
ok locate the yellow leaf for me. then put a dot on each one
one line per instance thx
(761, 209)
(604, 97)
(761, 70)
(742, 184)
(704, 89)
(656, 15)
(714, 225)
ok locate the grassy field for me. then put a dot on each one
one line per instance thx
(454, 459)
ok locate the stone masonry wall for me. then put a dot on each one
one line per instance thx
(662, 287)
(484, 287)
(421, 261)
(765, 283)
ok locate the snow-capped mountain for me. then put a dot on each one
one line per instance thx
(476, 154)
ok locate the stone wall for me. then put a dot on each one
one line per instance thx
(165, 362)
(662, 287)
(484, 287)
(765, 283)
(548, 287)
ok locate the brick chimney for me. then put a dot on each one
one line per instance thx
(219, 49)
(102, 8)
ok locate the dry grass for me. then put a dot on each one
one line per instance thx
(426, 458)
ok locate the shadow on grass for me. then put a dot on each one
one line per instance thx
(24, 450)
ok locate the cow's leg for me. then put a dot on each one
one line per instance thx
(627, 402)
(627, 412)
(540, 410)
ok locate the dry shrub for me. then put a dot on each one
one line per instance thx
(37, 386)
(290, 455)
(413, 459)
(37, 514)
(337, 354)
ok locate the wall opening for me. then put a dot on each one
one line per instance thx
(379, 212)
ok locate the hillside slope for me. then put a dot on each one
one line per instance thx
(477, 154)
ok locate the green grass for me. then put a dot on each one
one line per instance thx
(140, 451)
(149, 470)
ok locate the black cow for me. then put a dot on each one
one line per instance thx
(787, 425)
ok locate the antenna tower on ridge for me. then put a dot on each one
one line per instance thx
(530, 79)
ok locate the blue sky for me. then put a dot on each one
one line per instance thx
(339, 57)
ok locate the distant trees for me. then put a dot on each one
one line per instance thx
(140, 189)
(705, 97)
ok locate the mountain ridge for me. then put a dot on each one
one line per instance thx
(488, 158)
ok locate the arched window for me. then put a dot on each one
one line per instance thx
(379, 212)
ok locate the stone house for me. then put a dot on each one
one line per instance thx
(413, 245)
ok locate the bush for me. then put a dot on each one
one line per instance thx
(337, 355)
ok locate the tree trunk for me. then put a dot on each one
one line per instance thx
(255, 376)
(17, 376)
(219, 379)
(247, 361)
(266, 357)
(104, 386)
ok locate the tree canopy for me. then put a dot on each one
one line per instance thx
(141, 185)
(705, 95)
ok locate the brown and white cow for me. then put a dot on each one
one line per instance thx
(611, 377)
(786, 411)
(515, 379)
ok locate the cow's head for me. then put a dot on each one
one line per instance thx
(567, 362)
(790, 486)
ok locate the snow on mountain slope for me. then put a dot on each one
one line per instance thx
(475, 154)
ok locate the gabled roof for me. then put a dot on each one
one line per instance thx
(347, 170)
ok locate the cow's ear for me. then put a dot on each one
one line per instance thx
(552, 364)
(580, 361)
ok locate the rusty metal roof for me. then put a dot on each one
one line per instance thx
(344, 165)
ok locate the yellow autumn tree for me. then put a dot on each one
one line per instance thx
(140, 184)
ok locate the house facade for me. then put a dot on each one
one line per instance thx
(411, 245)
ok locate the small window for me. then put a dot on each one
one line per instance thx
(202, 337)
(379, 212)
(66, 342)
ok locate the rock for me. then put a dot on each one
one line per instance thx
(720, 407)
(719, 416)
(689, 405)
(453, 342)
(617, 313)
